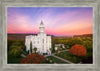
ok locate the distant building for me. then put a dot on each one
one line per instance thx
(40, 41)
(58, 45)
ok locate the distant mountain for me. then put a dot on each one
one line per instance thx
(22, 36)
(84, 35)
(18, 36)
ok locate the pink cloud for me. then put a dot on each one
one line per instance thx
(20, 24)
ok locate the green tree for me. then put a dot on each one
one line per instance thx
(35, 49)
(59, 49)
(23, 47)
(89, 46)
(73, 41)
(15, 51)
(61, 46)
(51, 49)
(28, 51)
(31, 47)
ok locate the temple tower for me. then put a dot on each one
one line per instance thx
(41, 27)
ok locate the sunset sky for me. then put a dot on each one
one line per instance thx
(57, 20)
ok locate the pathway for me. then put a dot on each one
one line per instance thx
(62, 59)
(62, 51)
(23, 55)
(46, 55)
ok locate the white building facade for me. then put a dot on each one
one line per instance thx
(40, 41)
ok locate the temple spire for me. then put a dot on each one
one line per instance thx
(41, 22)
(41, 26)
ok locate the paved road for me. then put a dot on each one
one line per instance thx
(46, 55)
(62, 59)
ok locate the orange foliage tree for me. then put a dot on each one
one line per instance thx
(33, 58)
(78, 50)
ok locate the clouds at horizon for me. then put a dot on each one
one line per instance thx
(57, 20)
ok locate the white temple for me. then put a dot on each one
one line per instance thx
(40, 41)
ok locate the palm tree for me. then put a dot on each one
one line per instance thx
(35, 49)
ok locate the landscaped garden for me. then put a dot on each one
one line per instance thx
(76, 54)
(67, 56)
(83, 55)
(55, 60)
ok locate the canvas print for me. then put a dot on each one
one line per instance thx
(50, 35)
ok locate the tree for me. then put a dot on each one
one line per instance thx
(89, 46)
(59, 49)
(31, 47)
(78, 50)
(28, 51)
(10, 42)
(51, 49)
(35, 49)
(33, 58)
(15, 51)
(74, 41)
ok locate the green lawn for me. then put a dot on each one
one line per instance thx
(14, 60)
(67, 56)
(58, 61)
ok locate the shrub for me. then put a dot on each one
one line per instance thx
(61, 54)
(69, 58)
(74, 58)
(78, 50)
(33, 58)
(53, 61)
(64, 55)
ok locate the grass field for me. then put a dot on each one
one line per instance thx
(58, 61)
(67, 56)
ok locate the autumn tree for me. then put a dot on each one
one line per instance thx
(78, 50)
(33, 58)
